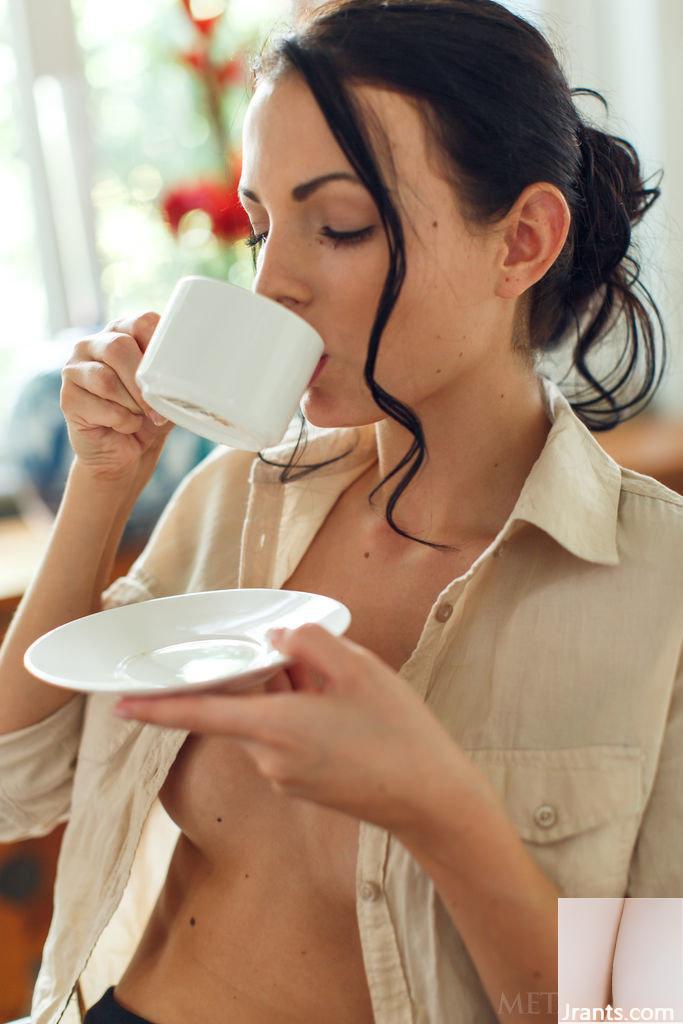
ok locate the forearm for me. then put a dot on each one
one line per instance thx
(74, 570)
(502, 904)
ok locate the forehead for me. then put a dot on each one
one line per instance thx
(285, 133)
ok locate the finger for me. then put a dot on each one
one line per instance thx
(88, 410)
(304, 678)
(121, 352)
(279, 683)
(255, 718)
(103, 381)
(141, 327)
(331, 657)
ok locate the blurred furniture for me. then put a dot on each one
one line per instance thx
(37, 445)
(649, 444)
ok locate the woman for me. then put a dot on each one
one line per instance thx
(383, 832)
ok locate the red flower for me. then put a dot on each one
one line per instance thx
(227, 72)
(230, 72)
(205, 25)
(216, 198)
(196, 59)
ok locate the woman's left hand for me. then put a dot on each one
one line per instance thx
(337, 727)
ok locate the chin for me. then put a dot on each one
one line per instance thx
(322, 411)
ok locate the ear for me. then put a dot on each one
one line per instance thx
(534, 232)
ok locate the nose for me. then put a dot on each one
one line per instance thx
(282, 276)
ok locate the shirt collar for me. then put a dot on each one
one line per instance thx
(573, 489)
(571, 493)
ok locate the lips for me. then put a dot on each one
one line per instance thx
(316, 373)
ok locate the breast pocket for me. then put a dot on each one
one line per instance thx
(578, 810)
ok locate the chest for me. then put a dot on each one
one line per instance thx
(213, 790)
(389, 591)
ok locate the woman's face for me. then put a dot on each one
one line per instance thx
(447, 318)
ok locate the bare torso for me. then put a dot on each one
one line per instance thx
(256, 921)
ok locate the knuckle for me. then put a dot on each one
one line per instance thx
(309, 627)
(65, 396)
(81, 349)
(145, 324)
(123, 417)
(113, 347)
(108, 380)
(147, 318)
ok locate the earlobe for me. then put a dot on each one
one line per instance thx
(534, 236)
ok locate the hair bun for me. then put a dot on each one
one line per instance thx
(612, 199)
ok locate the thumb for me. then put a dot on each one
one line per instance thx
(317, 652)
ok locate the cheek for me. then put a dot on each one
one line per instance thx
(353, 293)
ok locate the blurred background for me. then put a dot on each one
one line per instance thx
(120, 137)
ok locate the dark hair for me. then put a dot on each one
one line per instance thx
(458, 59)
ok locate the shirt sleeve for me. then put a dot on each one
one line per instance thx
(656, 868)
(37, 764)
(195, 544)
(36, 771)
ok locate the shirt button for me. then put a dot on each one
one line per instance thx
(369, 892)
(444, 611)
(545, 815)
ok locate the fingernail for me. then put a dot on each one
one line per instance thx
(278, 635)
(157, 420)
(123, 710)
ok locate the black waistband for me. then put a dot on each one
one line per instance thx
(108, 1011)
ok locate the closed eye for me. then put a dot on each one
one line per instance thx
(337, 237)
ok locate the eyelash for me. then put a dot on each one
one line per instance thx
(337, 237)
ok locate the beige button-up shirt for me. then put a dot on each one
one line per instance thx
(554, 662)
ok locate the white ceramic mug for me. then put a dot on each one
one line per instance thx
(228, 364)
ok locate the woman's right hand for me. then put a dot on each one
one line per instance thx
(111, 428)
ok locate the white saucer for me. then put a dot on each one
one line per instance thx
(176, 644)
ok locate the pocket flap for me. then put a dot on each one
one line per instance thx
(550, 794)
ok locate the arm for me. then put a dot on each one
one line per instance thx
(117, 449)
(500, 901)
(656, 868)
(74, 571)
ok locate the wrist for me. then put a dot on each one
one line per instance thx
(453, 797)
(99, 481)
(94, 500)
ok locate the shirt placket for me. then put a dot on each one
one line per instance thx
(385, 972)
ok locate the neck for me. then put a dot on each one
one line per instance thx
(483, 435)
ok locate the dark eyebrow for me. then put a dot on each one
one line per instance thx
(302, 192)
